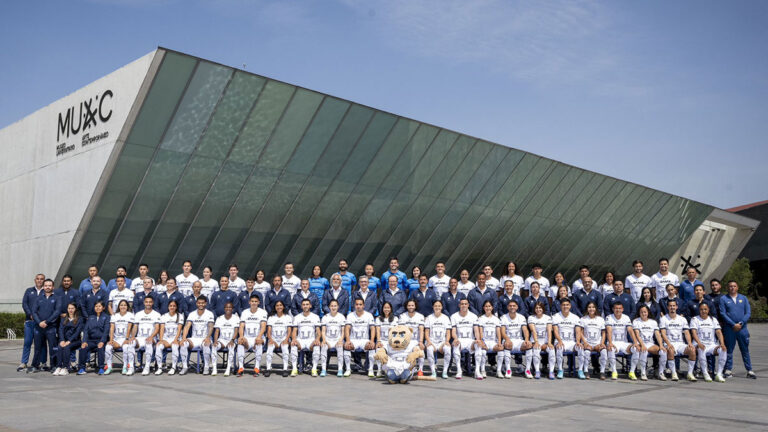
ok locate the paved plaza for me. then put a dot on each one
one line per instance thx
(43, 402)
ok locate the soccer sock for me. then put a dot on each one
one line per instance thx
(702, 361)
(692, 365)
(585, 358)
(294, 356)
(159, 355)
(528, 359)
(662, 360)
(421, 364)
(551, 360)
(148, 351)
(348, 359)
(185, 354)
(258, 350)
(108, 355)
(478, 359)
(323, 356)
(671, 365)
(721, 359)
(284, 350)
(633, 360)
(230, 356)
(174, 355)
(370, 360)
(207, 356)
(431, 358)
(612, 360)
(507, 359)
(457, 359)
(643, 361)
(340, 357)
(270, 353)
(499, 361)
(240, 355)
(536, 358)
(559, 358)
(603, 360)
(316, 357)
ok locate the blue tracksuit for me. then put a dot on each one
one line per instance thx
(219, 299)
(138, 300)
(402, 280)
(96, 331)
(343, 299)
(664, 308)
(85, 286)
(715, 298)
(477, 298)
(27, 302)
(89, 300)
(163, 300)
(298, 298)
(112, 285)
(348, 282)
(244, 300)
(274, 296)
(735, 312)
(69, 332)
(397, 300)
(72, 295)
(686, 292)
(413, 285)
(583, 299)
(370, 302)
(45, 310)
(692, 308)
(318, 286)
(504, 303)
(424, 300)
(451, 302)
(654, 307)
(530, 302)
(574, 307)
(625, 299)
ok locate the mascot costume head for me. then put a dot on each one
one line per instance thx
(400, 354)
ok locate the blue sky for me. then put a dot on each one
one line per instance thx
(671, 95)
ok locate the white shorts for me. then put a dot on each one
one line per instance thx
(222, 343)
(196, 342)
(120, 342)
(568, 346)
(488, 343)
(467, 344)
(710, 349)
(305, 343)
(436, 345)
(679, 348)
(359, 344)
(169, 342)
(333, 343)
(621, 347)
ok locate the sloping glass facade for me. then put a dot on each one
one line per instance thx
(225, 166)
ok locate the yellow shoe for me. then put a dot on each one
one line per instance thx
(632, 376)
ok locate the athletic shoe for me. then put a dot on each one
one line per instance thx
(445, 373)
(347, 373)
(674, 376)
(340, 373)
(434, 375)
(255, 371)
(45, 367)
(614, 375)
(478, 376)
(267, 373)
(64, 372)
(107, 370)
(602, 376)
(508, 375)
(667, 371)
(528, 374)
(499, 374)
(285, 373)
(184, 370)
(537, 375)
(379, 373)
(420, 373)
(57, 371)
(294, 373)
(323, 373)
(129, 372)
(751, 374)
(172, 370)
(313, 372)
(661, 377)
(125, 370)
(551, 375)
(206, 371)
(691, 378)
(81, 371)
(581, 374)
(101, 371)
(482, 372)
(633, 377)
(159, 370)
(559, 374)
(145, 372)
(728, 373)
(707, 378)
(719, 378)
(373, 375)
(214, 372)
(227, 372)
(240, 372)
(21, 367)
(458, 375)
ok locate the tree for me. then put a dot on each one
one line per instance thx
(742, 274)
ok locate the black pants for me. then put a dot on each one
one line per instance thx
(85, 353)
(64, 353)
(43, 335)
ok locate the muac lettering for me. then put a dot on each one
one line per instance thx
(88, 114)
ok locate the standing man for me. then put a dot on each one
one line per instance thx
(491, 282)
(138, 283)
(402, 279)
(305, 294)
(95, 294)
(190, 301)
(578, 284)
(148, 291)
(112, 284)
(369, 297)
(424, 296)
(393, 294)
(452, 298)
(541, 280)
(45, 313)
(618, 296)
(348, 280)
(290, 281)
(480, 294)
(277, 293)
(172, 293)
(715, 286)
(374, 283)
(637, 281)
(508, 296)
(220, 298)
(28, 302)
(244, 298)
(121, 292)
(67, 294)
(185, 280)
(440, 281)
(85, 284)
(735, 312)
(588, 294)
(236, 284)
(660, 280)
(687, 286)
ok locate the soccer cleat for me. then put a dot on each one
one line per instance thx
(206, 371)
(184, 370)
(478, 376)
(64, 372)
(255, 371)
(661, 377)
(129, 372)
(340, 373)
(499, 374)
(21, 367)
(420, 373)
(323, 373)
(560, 374)
(445, 373)
(484, 374)
(240, 372)
(107, 370)
(313, 372)
(508, 375)
(285, 373)
(370, 374)
(125, 370)
(214, 372)
(551, 375)
(719, 378)
(172, 370)
(614, 375)
(537, 375)
(81, 371)
(347, 373)
(528, 374)
(632, 376)
(267, 373)
(57, 371)
(145, 372)
(751, 374)
(458, 374)
(227, 372)
(707, 378)
(294, 372)
(159, 370)
(581, 375)
(101, 371)
(674, 376)
(691, 378)
(602, 376)
(434, 375)
(379, 373)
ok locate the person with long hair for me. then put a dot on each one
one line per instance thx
(518, 284)
(413, 282)
(119, 329)
(706, 332)
(95, 335)
(278, 325)
(606, 287)
(557, 303)
(69, 337)
(414, 320)
(592, 337)
(161, 281)
(647, 299)
(437, 338)
(318, 285)
(225, 338)
(540, 326)
(332, 330)
(559, 279)
(169, 336)
(208, 283)
(647, 334)
(487, 341)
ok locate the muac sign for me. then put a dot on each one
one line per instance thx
(74, 122)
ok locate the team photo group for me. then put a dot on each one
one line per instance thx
(640, 326)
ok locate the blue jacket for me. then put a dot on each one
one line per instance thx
(138, 300)
(374, 284)
(664, 309)
(273, 297)
(625, 299)
(716, 301)
(46, 309)
(29, 300)
(583, 299)
(190, 305)
(89, 300)
(163, 300)
(685, 291)
(97, 328)
(692, 308)
(476, 300)
(319, 286)
(424, 300)
(343, 300)
(298, 298)
(574, 307)
(71, 296)
(218, 300)
(655, 310)
(530, 303)
(244, 300)
(397, 300)
(371, 301)
(504, 302)
(402, 280)
(85, 286)
(69, 331)
(413, 285)
(348, 282)
(734, 312)
(451, 302)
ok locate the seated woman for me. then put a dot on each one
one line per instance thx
(647, 334)
(646, 298)
(487, 340)
(224, 331)
(415, 321)
(332, 330)
(708, 336)
(95, 335)
(169, 336)
(592, 337)
(541, 330)
(69, 338)
(562, 293)
(119, 329)
(437, 338)
(278, 334)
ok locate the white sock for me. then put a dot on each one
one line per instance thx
(603, 360)
(692, 365)
(240, 356)
(633, 360)
(612, 360)
(431, 358)
(315, 357)
(721, 359)
(537, 359)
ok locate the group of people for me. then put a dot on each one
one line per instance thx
(472, 323)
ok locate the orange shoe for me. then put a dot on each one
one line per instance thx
(420, 373)
(240, 372)
(255, 372)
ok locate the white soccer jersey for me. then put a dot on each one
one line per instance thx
(647, 330)
(464, 325)
(439, 284)
(706, 329)
(159, 289)
(306, 325)
(185, 283)
(137, 284)
(146, 323)
(210, 286)
(517, 282)
(334, 326)
(488, 327)
(116, 296)
(566, 325)
(674, 327)
(660, 282)
(236, 285)
(413, 322)
(280, 326)
(593, 328)
(554, 289)
(172, 324)
(121, 323)
(619, 327)
(253, 321)
(543, 285)
(437, 327)
(605, 289)
(493, 284)
(465, 288)
(263, 288)
(292, 284)
(360, 326)
(636, 285)
(540, 324)
(199, 327)
(227, 327)
(514, 326)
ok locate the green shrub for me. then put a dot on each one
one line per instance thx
(742, 273)
(13, 321)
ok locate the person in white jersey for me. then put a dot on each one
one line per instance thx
(209, 283)
(262, 286)
(708, 336)
(332, 329)
(415, 321)
(359, 335)
(511, 275)
(540, 326)
(253, 329)
(440, 281)
(617, 327)
(197, 334)
(169, 336)
(146, 327)
(120, 294)
(465, 285)
(185, 280)
(119, 328)
(677, 339)
(437, 337)
(307, 335)
(637, 280)
(291, 282)
(578, 284)
(487, 340)
(224, 334)
(537, 277)
(647, 334)
(462, 333)
(662, 278)
(236, 283)
(138, 283)
(515, 335)
(161, 282)
(491, 282)
(564, 325)
(279, 336)
(606, 288)
(592, 337)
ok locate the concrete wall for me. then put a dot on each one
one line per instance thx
(45, 192)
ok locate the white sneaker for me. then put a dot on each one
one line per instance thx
(707, 378)
(215, 371)
(172, 370)
(145, 372)
(691, 378)
(662, 377)
(674, 376)
(130, 371)
(483, 373)
(719, 378)
(184, 370)
(57, 372)
(508, 375)
(499, 374)
(226, 372)
(159, 371)
(64, 372)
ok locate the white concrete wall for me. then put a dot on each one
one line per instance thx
(45, 195)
